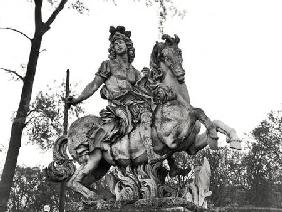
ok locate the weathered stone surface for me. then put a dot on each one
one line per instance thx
(148, 119)
(146, 205)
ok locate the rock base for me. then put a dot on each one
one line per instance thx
(141, 205)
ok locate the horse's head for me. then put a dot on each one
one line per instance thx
(170, 55)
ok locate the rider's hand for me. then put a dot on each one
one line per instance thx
(71, 101)
(145, 72)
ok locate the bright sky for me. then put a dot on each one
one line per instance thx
(232, 54)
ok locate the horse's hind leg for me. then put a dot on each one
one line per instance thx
(204, 139)
(200, 141)
(85, 170)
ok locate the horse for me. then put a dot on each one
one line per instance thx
(175, 127)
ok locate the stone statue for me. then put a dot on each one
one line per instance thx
(119, 78)
(198, 190)
(147, 120)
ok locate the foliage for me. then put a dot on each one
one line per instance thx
(77, 5)
(45, 122)
(31, 191)
(19, 122)
(227, 173)
(165, 7)
(263, 163)
(178, 183)
(250, 177)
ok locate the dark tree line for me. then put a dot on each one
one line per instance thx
(250, 177)
(31, 191)
(263, 163)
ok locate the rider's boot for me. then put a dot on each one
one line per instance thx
(146, 119)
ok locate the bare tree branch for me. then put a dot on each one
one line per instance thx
(43, 50)
(55, 13)
(15, 30)
(30, 111)
(13, 72)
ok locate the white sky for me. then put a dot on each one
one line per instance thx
(232, 54)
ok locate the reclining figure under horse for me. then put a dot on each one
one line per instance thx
(174, 126)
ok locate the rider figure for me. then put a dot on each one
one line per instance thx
(119, 78)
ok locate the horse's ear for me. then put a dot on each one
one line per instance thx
(167, 39)
(154, 55)
(176, 38)
(165, 36)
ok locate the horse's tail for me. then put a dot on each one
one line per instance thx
(62, 167)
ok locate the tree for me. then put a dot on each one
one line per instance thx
(263, 162)
(19, 122)
(45, 119)
(227, 173)
(31, 191)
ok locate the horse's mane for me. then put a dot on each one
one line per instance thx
(157, 56)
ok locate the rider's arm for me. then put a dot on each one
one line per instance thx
(101, 76)
(90, 89)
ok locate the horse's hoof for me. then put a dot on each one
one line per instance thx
(235, 144)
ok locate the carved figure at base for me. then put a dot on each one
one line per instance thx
(198, 190)
(146, 116)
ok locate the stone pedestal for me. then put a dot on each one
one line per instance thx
(141, 205)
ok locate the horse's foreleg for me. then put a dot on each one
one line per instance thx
(201, 141)
(204, 139)
(84, 170)
(210, 126)
(198, 141)
(231, 135)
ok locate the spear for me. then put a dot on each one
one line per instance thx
(66, 116)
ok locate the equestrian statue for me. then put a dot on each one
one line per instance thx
(149, 117)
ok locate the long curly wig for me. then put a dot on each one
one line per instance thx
(117, 34)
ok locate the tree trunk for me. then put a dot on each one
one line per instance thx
(19, 123)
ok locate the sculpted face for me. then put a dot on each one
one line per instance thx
(120, 47)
